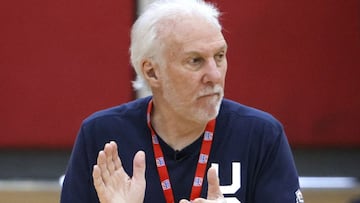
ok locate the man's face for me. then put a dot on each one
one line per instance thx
(193, 78)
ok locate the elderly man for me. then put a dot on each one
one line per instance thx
(183, 129)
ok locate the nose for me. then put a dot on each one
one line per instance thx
(212, 72)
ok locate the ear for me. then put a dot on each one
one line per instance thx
(150, 70)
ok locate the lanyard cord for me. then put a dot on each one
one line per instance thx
(201, 166)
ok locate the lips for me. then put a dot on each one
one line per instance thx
(211, 91)
(210, 95)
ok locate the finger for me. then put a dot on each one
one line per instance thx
(102, 164)
(115, 155)
(108, 149)
(184, 201)
(214, 191)
(139, 166)
(98, 181)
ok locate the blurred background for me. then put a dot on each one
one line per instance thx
(62, 60)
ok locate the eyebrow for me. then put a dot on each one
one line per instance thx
(225, 47)
(222, 48)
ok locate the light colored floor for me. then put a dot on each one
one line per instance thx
(310, 196)
(30, 197)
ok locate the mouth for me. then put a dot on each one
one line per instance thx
(217, 94)
(211, 93)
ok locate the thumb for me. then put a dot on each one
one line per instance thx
(214, 185)
(139, 167)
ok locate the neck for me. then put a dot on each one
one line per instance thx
(176, 131)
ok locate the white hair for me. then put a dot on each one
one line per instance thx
(146, 31)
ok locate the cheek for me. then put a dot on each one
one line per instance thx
(183, 81)
(187, 87)
(183, 78)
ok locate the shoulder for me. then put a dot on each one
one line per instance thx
(234, 111)
(130, 110)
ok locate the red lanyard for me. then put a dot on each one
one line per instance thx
(201, 166)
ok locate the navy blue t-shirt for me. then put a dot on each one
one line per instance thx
(250, 151)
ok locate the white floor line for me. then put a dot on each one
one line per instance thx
(328, 182)
(29, 185)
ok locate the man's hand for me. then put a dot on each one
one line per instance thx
(112, 183)
(214, 194)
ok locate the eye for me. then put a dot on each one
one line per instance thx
(220, 56)
(194, 61)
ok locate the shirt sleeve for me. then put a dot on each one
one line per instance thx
(78, 184)
(277, 178)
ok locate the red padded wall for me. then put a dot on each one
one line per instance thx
(298, 60)
(60, 61)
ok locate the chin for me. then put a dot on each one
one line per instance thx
(205, 115)
(204, 118)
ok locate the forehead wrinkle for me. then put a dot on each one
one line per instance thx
(215, 46)
(194, 47)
